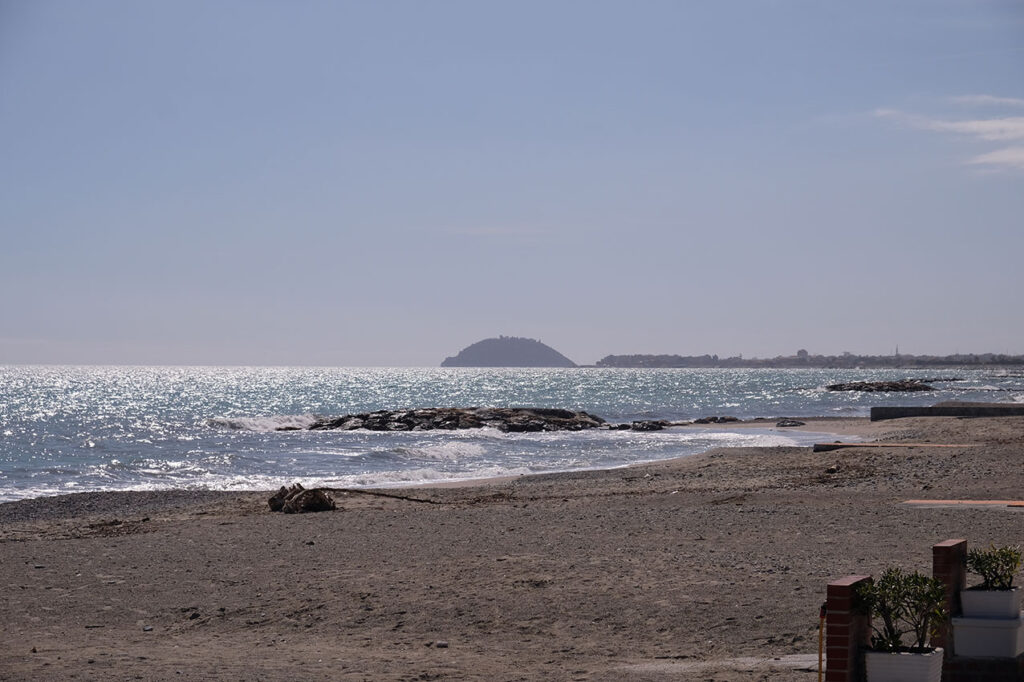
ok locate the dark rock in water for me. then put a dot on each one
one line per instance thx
(507, 419)
(715, 420)
(882, 386)
(297, 500)
(523, 426)
(649, 425)
(508, 351)
(789, 422)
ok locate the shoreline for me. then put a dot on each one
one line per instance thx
(705, 566)
(859, 427)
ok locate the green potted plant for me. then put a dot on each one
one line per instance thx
(996, 596)
(905, 610)
(992, 624)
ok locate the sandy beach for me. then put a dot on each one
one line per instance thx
(710, 567)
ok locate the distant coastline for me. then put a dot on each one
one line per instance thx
(805, 359)
(513, 351)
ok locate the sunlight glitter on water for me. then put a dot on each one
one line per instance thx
(98, 428)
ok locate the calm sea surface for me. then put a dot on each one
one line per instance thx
(70, 429)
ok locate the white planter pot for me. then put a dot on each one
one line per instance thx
(988, 637)
(991, 603)
(903, 667)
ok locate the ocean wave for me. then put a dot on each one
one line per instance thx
(987, 387)
(390, 479)
(754, 438)
(263, 424)
(448, 451)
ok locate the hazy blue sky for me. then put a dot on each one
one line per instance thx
(384, 183)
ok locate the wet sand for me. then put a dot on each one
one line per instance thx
(710, 567)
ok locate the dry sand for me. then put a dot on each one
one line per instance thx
(710, 567)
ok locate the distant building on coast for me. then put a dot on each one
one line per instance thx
(805, 359)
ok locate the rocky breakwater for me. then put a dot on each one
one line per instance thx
(506, 419)
(885, 386)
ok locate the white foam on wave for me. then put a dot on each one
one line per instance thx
(448, 451)
(205, 482)
(263, 424)
(766, 437)
(392, 479)
(749, 438)
(489, 432)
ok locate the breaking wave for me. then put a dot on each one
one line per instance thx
(263, 424)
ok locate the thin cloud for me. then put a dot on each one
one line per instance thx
(993, 129)
(988, 101)
(1000, 129)
(1011, 156)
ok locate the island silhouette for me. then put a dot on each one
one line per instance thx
(508, 351)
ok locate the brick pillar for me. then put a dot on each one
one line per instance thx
(846, 631)
(949, 564)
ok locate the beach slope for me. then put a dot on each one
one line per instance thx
(710, 567)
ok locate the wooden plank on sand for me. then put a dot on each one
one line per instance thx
(825, 447)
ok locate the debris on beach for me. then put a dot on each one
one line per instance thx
(298, 500)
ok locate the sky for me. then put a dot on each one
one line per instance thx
(248, 182)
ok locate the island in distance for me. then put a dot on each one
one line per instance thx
(508, 351)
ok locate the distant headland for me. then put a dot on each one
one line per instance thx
(508, 351)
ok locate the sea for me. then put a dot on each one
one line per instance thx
(70, 429)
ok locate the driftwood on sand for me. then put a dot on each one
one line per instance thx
(298, 500)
